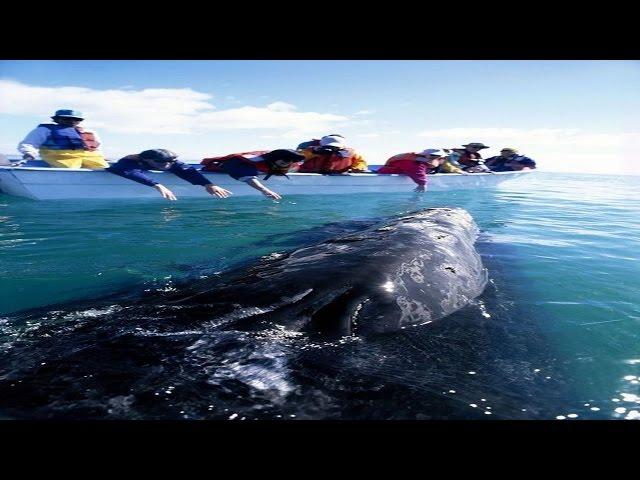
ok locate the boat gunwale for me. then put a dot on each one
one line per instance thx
(347, 174)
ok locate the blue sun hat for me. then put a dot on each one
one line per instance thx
(66, 113)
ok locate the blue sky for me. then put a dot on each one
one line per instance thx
(567, 115)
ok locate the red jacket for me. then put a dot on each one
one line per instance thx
(406, 164)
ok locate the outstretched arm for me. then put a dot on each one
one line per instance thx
(128, 170)
(193, 176)
(255, 183)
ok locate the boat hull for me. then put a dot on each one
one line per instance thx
(63, 183)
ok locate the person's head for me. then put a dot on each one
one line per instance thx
(282, 159)
(331, 143)
(432, 156)
(506, 152)
(67, 117)
(158, 158)
(475, 147)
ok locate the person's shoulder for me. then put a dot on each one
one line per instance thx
(129, 159)
(181, 164)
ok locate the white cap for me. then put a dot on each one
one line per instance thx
(332, 141)
(433, 151)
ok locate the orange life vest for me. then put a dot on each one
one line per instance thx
(89, 140)
(323, 163)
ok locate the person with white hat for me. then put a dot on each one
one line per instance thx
(332, 156)
(509, 160)
(416, 165)
(315, 142)
(63, 144)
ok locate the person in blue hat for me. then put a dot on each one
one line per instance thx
(64, 144)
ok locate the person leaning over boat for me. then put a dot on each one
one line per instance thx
(447, 164)
(134, 166)
(64, 144)
(469, 157)
(509, 161)
(414, 165)
(246, 166)
(332, 156)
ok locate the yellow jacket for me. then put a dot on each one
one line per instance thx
(447, 167)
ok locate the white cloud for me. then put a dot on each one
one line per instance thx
(365, 112)
(368, 135)
(156, 111)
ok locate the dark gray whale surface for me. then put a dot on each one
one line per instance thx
(345, 328)
(414, 269)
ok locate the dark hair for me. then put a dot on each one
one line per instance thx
(282, 154)
(159, 155)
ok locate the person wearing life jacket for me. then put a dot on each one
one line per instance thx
(332, 156)
(470, 158)
(315, 142)
(134, 166)
(246, 166)
(448, 164)
(64, 144)
(509, 160)
(415, 165)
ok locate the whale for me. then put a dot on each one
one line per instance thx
(235, 335)
(414, 269)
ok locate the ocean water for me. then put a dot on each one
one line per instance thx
(556, 334)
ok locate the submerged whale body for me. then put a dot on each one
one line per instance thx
(240, 339)
(414, 269)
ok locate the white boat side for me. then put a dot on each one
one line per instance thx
(47, 183)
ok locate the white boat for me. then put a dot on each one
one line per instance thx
(47, 183)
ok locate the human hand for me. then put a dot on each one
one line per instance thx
(217, 191)
(165, 192)
(271, 194)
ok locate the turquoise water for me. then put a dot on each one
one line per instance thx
(563, 249)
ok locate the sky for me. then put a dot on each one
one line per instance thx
(568, 115)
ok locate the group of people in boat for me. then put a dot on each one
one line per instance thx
(64, 144)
